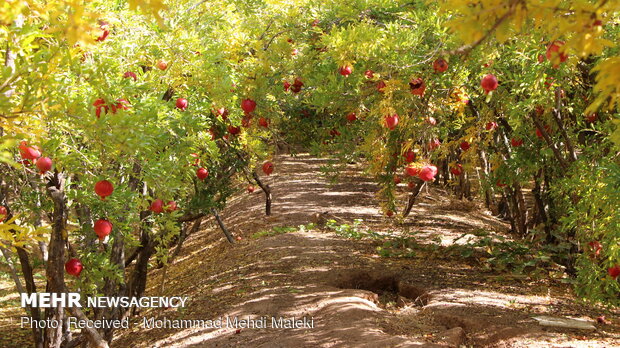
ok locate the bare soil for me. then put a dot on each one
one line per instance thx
(356, 297)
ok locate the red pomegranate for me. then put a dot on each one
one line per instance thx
(440, 65)
(391, 121)
(411, 184)
(202, 173)
(267, 168)
(182, 104)
(3, 213)
(614, 271)
(380, 86)
(131, 74)
(44, 164)
(74, 267)
(161, 65)
(104, 188)
(595, 247)
(157, 206)
(234, 130)
(457, 170)
(248, 105)
(389, 213)
(351, 117)
(103, 228)
(297, 84)
(251, 189)
(489, 83)
(516, 142)
(263, 122)
(433, 144)
(417, 86)
(409, 156)
(369, 74)
(28, 152)
(286, 85)
(345, 70)
(411, 170)
(491, 126)
(121, 104)
(465, 146)
(171, 206)
(428, 173)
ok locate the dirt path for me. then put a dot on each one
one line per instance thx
(355, 297)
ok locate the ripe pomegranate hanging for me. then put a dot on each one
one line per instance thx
(251, 189)
(248, 105)
(236, 130)
(104, 188)
(417, 86)
(409, 156)
(516, 142)
(389, 213)
(457, 170)
(3, 213)
(297, 84)
(162, 65)
(28, 152)
(614, 271)
(44, 164)
(103, 228)
(182, 104)
(351, 117)
(396, 179)
(391, 121)
(369, 74)
(433, 144)
(465, 146)
(131, 74)
(286, 85)
(491, 126)
(489, 83)
(74, 267)
(380, 86)
(157, 206)
(440, 65)
(595, 247)
(267, 168)
(99, 105)
(411, 170)
(202, 173)
(428, 173)
(263, 122)
(345, 70)
(171, 206)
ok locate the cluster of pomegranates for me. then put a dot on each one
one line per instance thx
(32, 154)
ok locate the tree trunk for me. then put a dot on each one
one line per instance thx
(54, 337)
(267, 191)
(412, 197)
